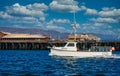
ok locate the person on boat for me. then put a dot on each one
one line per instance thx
(112, 48)
(84, 36)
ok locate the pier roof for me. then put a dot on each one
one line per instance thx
(23, 36)
(72, 36)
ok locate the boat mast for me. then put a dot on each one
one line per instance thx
(74, 27)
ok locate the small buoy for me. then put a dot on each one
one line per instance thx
(113, 48)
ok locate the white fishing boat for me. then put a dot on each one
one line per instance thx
(71, 49)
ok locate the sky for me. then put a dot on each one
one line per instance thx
(92, 16)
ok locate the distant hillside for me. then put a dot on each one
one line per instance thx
(51, 33)
(108, 37)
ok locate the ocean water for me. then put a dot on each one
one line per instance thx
(39, 63)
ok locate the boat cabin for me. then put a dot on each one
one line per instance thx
(71, 46)
(74, 46)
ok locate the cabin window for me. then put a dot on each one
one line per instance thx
(70, 45)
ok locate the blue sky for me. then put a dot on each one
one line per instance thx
(92, 16)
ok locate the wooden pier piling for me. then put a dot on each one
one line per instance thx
(44, 45)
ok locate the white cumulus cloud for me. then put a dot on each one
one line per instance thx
(60, 21)
(58, 25)
(5, 15)
(28, 10)
(91, 11)
(38, 6)
(88, 11)
(64, 5)
(28, 15)
(110, 12)
(105, 20)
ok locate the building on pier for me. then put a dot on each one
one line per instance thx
(22, 37)
(83, 37)
(3, 34)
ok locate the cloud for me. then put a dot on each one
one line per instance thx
(31, 14)
(83, 8)
(5, 15)
(58, 28)
(88, 11)
(64, 5)
(98, 24)
(59, 21)
(24, 20)
(60, 25)
(55, 27)
(35, 10)
(38, 7)
(105, 20)
(91, 11)
(98, 28)
(102, 25)
(109, 12)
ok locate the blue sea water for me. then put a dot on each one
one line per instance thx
(39, 63)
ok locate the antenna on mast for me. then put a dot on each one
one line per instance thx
(74, 27)
(74, 18)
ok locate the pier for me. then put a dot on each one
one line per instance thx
(42, 45)
(9, 41)
(23, 45)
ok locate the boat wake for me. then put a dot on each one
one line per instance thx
(113, 56)
(107, 56)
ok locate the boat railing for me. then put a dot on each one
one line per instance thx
(100, 49)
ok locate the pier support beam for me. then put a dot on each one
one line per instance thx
(43, 46)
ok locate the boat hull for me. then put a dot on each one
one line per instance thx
(58, 52)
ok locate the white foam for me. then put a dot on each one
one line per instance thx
(113, 56)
